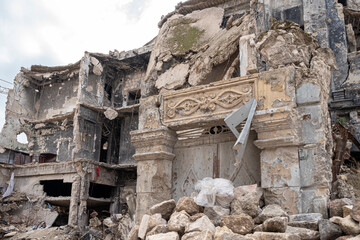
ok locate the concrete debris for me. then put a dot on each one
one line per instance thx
(111, 114)
(275, 224)
(336, 206)
(164, 208)
(241, 223)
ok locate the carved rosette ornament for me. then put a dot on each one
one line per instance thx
(208, 100)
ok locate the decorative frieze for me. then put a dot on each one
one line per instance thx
(208, 100)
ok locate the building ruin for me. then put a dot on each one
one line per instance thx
(150, 122)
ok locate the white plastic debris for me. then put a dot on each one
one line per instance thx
(10, 188)
(211, 191)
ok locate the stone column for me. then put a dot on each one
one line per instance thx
(276, 123)
(74, 201)
(293, 129)
(154, 149)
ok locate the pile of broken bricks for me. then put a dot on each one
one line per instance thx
(245, 218)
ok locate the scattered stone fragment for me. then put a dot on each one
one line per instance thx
(148, 222)
(98, 68)
(273, 236)
(178, 221)
(110, 114)
(349, 226)
(188, 205)
(219, 231)
(163, 228)
(174, 77)
(164, 208)
(276, 224)
(347, 209)
(164, 236)
(303, 233)
(195, 217)
(134, 232)
(204, 235)
(355, 213)
(215, 213)
(305, 220)
(246, 200)
(336, 206)
(109, 223)
(270, 211)
(201, 224)
(242, 223)
(259, 228)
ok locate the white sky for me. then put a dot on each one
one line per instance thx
(57, 32)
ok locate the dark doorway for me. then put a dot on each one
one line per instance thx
(56, 188)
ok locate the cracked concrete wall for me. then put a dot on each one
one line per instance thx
(57, 98)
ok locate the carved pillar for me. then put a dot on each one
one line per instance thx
(154, 149)
(292, 126)
(276, 124)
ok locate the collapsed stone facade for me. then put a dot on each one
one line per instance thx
(151, 120)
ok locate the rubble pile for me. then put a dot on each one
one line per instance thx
(22, 215)
(245, 218)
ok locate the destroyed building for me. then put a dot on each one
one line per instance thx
(149, 123)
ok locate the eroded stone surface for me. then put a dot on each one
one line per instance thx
(241, 223)
(275, 224)
(271, 211)
(178, 221)
(164, 208)
(164, 236)
(215, 213)
(188, 205)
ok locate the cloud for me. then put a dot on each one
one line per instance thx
(57, 32)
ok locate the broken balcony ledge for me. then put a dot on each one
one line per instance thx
(70, 165)
(65, 201)
(124, 109)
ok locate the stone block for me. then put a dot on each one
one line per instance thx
(248, 62)
(280, 167)
(201, 224)
(329, 230)
(307, 167)
(303, 233)
(273, 236)
(178, 221)
(164, 236)
(312, 131)
(275, 224)
(165, 208)
(308, 93)
(204, 235)
(289, 198)
(336, 206)
(215, 213)
(242, 223)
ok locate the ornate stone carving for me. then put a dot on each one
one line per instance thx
(208, 100)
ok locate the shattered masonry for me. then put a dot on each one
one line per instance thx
(127, 130)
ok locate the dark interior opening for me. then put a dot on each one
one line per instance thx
(110, 141)
(104, 148)
(108, 90)
(134, 97)
(19, 158)
(56, 188)
(343, 2)
(100, 190)
(102, 210)
(47, 157)
(63, 216)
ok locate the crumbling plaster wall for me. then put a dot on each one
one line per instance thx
(57, 98)
(21, 105)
